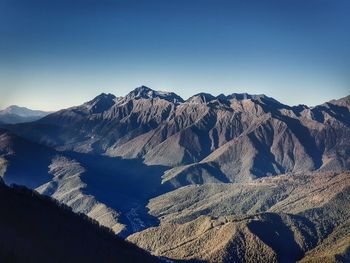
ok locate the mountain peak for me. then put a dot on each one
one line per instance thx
(345, 101)
(144, 92)
(15, 107)
(101, 103)
(201, 98)
(104, 96)
(16, 114)
(141, 92)
(22, 111)
(245, 96)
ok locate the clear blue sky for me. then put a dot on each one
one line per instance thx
(59, 53)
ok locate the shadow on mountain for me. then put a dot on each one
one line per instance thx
(344, 257)
(201, 173)
(35, 228)
(27, 164)
(306, 139)
(265, 162)
(340, 113)
(125, 185)
(275, 233)
(301, 132)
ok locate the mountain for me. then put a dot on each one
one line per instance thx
(15, 114)
(35, 228)
(210, 178)
(224, 139)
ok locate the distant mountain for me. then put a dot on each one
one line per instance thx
(38, 229)
(15, 114)
(154, 167)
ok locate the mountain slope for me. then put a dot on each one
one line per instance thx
(275, 219)
(289, 193)
(37, 229)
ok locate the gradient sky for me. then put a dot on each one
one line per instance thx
(59, 53)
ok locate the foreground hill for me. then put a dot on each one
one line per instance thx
(37, 229)
(276, 219)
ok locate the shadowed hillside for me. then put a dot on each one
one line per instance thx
(35, 228)
(107, 189)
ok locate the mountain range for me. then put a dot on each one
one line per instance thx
(228, 178)
(15, 114)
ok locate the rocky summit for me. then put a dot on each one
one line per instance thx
(227, 178)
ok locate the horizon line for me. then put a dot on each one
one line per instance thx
(144, 86)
